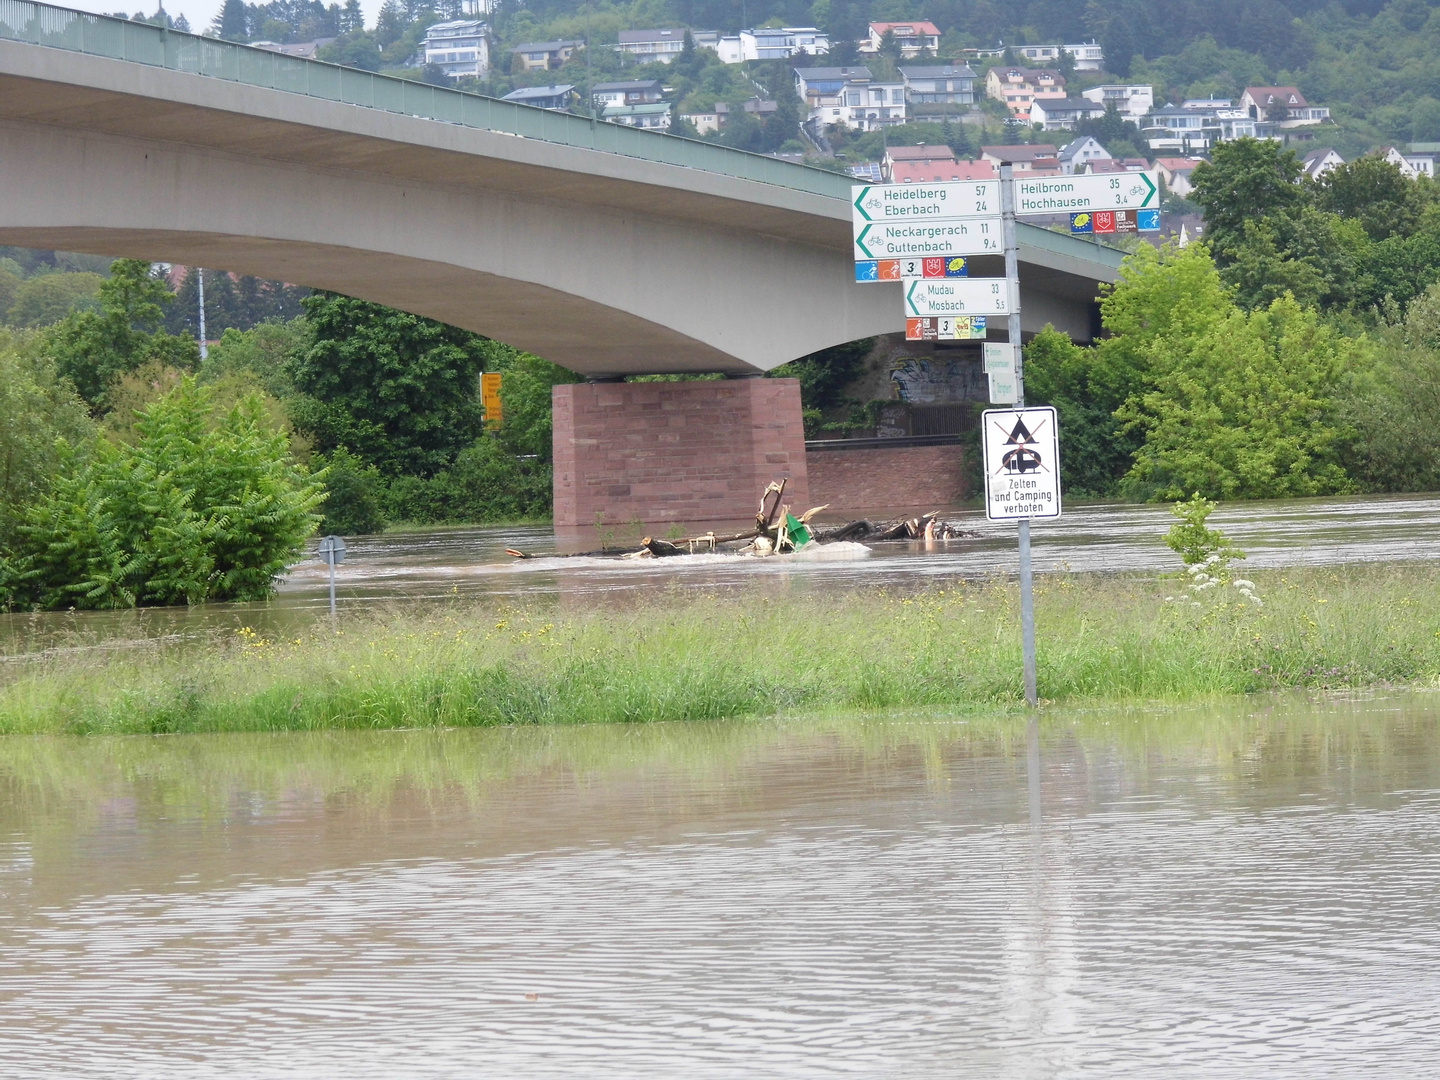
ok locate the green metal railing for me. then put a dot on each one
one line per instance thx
(141, 43)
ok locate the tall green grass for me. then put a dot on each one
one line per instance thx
(691, 657)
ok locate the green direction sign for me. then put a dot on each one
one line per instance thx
(916, 240)
(925, 202)
(957, 296)
(1072, 194)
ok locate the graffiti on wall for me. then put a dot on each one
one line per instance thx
(938, 380)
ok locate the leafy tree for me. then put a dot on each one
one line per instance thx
(1244, 410)
(48, 298)
(37, 409)
(355, 493)
(93, 348)
(1314, 256)
(356, 50)
(824, 375)
(1244, 180)
(1095, 453)
(398, 390)
(1394, 407)
(525, 395)
(11, 278)
(231, 23)
(1375, 193)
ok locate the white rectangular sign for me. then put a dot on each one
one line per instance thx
(1071, 194)
(1022, 463)
(925, 202)
(917, 239)
(1000, 369)
(957, 296)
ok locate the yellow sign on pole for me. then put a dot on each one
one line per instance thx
(490, 398)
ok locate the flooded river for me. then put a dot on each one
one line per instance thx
(1218, 893)
(446, 565)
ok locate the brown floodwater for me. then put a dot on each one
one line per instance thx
(442, 566)
(1235, 891)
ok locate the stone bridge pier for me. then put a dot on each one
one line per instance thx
(662, 453)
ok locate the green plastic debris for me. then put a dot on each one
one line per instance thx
(797, 531)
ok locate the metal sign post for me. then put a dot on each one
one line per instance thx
(332, 551)
(1012, 281)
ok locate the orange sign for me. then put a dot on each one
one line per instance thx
(490, 398)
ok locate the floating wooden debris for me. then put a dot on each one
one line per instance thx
(779, 532)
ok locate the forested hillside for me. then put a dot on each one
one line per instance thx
(1376, 65)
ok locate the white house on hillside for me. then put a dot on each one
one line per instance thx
(1318, 162)
(460, 48)
(1087, 57)
(1078, 153)
(1062, 114)
(1134, 102)
(849, 97)
(913, 38)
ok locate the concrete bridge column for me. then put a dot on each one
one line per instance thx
(693, 453)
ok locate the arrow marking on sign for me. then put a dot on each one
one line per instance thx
(1151, 185)
(861, 208)
(910, 294)
(860, 240)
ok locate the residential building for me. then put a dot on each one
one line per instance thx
(1410, 165)
(781, 43)
(928, 172)
(1197, 126)
(654, 115)
(1019, 87)
(544, 97)
(703, 122)
(1087, 57)
(1037, 158)
(717, 118)
(913, 38)
(1062, 114)
(1259, 101)
(306, 50)
(659, 43)
(924, 153)
(644, 92)
(1078, 153)
(461, 49)
(942, 85)
(850, 98)
(1175, 171)
(546, 55)
(1133, 102)
(1317, 163)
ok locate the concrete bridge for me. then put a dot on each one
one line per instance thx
(609, 250)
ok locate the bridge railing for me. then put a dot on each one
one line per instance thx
(142, 43)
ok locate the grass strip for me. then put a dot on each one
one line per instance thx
(688, 656)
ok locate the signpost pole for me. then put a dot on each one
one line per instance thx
(1012, 279)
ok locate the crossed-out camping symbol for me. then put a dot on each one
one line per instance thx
(1024, 458)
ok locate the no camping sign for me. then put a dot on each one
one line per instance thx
(1022, 463)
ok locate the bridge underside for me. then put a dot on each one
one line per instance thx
(606, 264)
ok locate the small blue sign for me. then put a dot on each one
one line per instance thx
(867, 271)
(977, 326)
(957, 266)
(1147, 220)
(1082, 222)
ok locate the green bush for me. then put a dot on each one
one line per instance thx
(194, 510)
(353, 505)
(486, 483)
